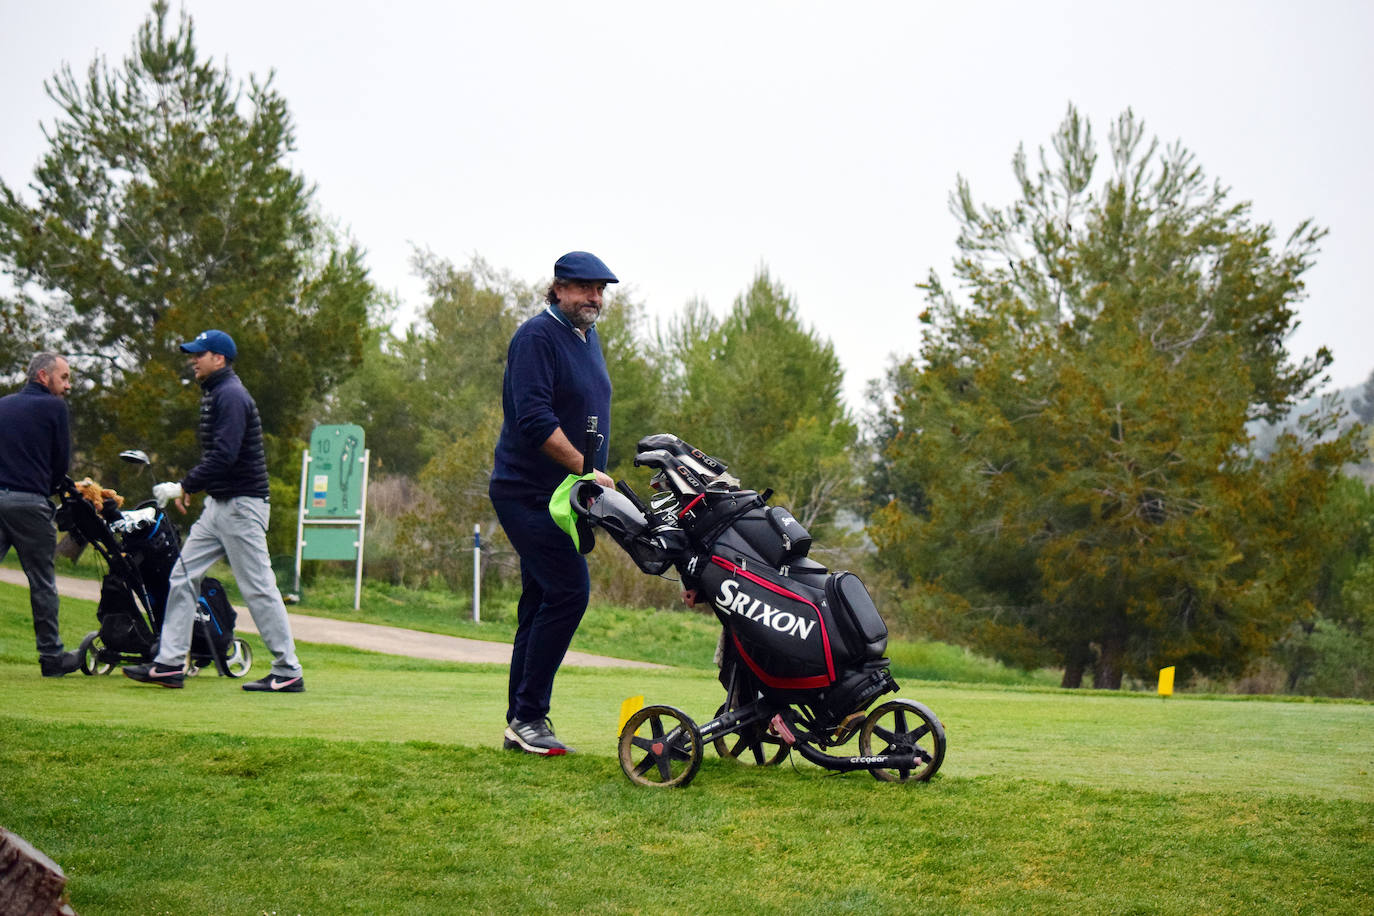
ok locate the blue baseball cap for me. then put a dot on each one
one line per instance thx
(214, 341)
(582, 265)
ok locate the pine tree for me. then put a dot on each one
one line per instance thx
(1077, 427)
(762, 392)
(165, 206)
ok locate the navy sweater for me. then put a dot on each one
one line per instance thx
(35, 440)
(553, 379)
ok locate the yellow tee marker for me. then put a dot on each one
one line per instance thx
(629, 708)
(1166, 681)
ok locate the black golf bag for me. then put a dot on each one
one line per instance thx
(805, 634)
(801, 651)
(140, 548)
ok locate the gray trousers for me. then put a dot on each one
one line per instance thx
(233, 529)
(26, 525)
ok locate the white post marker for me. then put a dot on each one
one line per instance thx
(477, 573)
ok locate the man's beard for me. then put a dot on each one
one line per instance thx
(582, 317)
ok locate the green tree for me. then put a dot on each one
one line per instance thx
(434, 395)
(1076, 428)
(763, 393)
(1332, 652)
(640, 399)
(164, 206)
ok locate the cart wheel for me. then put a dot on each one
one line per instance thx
(239, 660)
(660, 747)
(89, 651)
(904, 727)
(753, 745)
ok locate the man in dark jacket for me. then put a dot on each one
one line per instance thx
(233, 473)
(35, 450)
(555, 378)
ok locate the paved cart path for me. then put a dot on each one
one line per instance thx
(391, 640)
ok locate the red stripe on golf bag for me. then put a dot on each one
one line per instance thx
(777, 655)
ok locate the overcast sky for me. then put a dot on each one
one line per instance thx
(690, 144)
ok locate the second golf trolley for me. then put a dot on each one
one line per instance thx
(801, 652)
(140, 547)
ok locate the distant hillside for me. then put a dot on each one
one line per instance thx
(1343, 399)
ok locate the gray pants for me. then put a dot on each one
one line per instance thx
(233, 529)
(26, 525)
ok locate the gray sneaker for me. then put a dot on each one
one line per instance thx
(534, 738)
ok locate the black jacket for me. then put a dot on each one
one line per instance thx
(35, 440)
(232, 461)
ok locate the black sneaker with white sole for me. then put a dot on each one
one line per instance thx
(275, 683)
(153, 673)
(534, 738)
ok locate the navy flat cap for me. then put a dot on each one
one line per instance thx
(582, 265)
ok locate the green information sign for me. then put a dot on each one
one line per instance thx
(323, 543)
(334, 479)
(333, 513)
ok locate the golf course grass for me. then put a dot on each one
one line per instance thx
(383, 789)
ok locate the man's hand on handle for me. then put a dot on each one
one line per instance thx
(560, 449)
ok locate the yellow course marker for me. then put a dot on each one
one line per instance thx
(629, 708)
(1166, 681)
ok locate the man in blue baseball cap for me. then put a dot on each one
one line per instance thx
(555, 379)
(212, 342)
(233, 473)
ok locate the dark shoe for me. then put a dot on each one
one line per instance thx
(153, 673)
(534, 738)
(58, 665)
(275, 683)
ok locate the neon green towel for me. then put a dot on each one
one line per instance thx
(560, 507)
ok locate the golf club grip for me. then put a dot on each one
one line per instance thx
(589, 446)
(632, 496)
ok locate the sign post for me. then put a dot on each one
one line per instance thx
(333, 509)
(476, 573)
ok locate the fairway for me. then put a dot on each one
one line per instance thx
(386, 779)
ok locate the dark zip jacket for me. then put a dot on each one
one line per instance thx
(35, 440)
(232, 461)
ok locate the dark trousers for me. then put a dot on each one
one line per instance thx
(553, 598)
(26, 525)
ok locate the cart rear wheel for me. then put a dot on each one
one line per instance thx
(904, 727)
(660, 747)
(239, 659)
(89, 651)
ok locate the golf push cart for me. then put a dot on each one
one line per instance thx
(139, 548)
(801, 652)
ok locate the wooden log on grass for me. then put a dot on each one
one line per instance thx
(31, 884)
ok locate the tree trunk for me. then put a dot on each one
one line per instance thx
(31, 884)
(1076, 662)
(1107, 671)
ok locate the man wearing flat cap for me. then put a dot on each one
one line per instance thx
(555, 378)
(233, 473)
